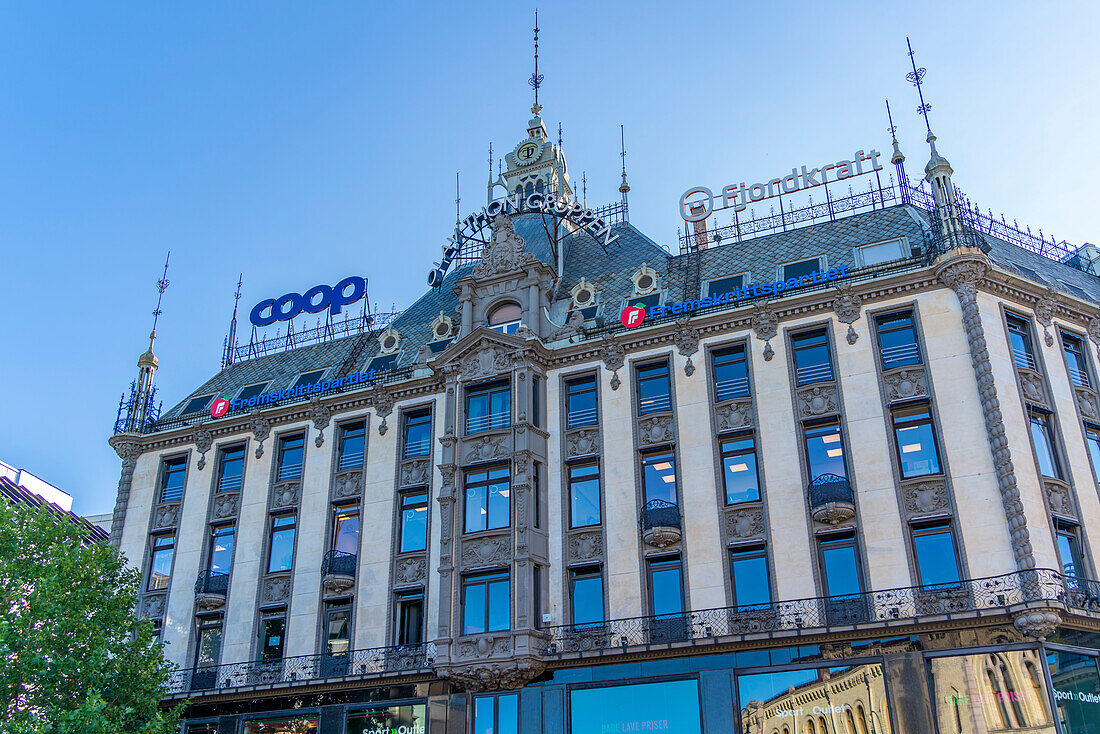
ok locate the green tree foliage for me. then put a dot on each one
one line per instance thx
(73, 655)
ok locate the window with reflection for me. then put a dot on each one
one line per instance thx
(208, 648)
(915, 440)
(1019, 339)
(811, 357)
(796, 699)
(659, 476)
(272, 636)
(584, 494)
(291, 450)
(345, 529)
(173, 472)
(410, 617)
(1068, 537)
(1042, 440)
(417, 433)
(221, 548)
(486, 603)
(488, 499)
(730, 372)
(825, 449)
(160, 562)
(414, 520)
(654, 391)
(750, 582)
(497, 713)
(1092, 441)
(580, 401)
(989, 692)
(586, 587)
(897, 340)
(666, 587)
(352, 444)
(1076, 689)
(934, 549)
(280, 555)
(739, 471)
(282, 725)
(230, 469)
(337, 627)
(506, 318)
(488, 407)
(1076, 360)
(839, 564)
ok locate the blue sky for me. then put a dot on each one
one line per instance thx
(300, 143)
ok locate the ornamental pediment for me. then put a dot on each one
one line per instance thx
(483, 352)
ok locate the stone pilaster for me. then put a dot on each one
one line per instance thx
(128, 447)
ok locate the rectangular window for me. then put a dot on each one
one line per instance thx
(536, 492)
(280, 554)
(731, 373)
(880, 252)
(208, 649)
(659, 476)
(486, 603)
(1069, 548)
(308, 378)
(1076, 360)
(173, 472)
(384, 362)
(739, 472)
(1042, 436)
(272, 636)
(160, 562)
(724, 285)
(221, 548)
(410, 617)
(352, 444)
(536, 401)
(897, 340)
(414, 520)
(497, 714)
(839, 558)
(230, 469)
(338, 628)
(587, 595)
(934, 548)
(487, 499)
(654, 392)
(1019, 338)
(584, 494)
(749, 576)
(669, 707)
(418, 433)
(666, 589)
(345, 529)
(196, 404)
(580, 401)
(915, 439)
(825, 450)
(251, 391)
(488, 407)
(1092, 441)
(536, 579)
(801, 268)
(290, 457)
(811, 357)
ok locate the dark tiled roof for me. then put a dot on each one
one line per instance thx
(18, 494)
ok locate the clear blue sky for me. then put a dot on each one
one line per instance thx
(303, 142)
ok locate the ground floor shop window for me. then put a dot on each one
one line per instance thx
(388, 720)
(497, 714)
(672, 706)
(1076, 691)
(283, 725)
(991, 691)
(819, 700)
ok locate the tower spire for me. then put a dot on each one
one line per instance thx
(458, 201)
(624, 187)
(139, 411)
(938, 170)
(898, 159)
(536, 78)
(231, 340)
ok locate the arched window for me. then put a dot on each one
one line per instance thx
(849, 722)
(1013, 696)
(538, 186)
(810, 728)
(862, 720)
(505, 318)
(998, 696)
(786, 730)
(529, 189)
(519, 191)
(821, 725)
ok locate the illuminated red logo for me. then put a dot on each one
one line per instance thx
(632, 316)
(219, 407)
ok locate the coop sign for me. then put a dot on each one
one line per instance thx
(698, 202)
(318, 298)
(474, 225)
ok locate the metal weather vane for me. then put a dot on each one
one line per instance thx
(536, 78)
(162, 286)
(915, 77)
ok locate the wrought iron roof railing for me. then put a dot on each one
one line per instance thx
(302, 669)
(826, 614)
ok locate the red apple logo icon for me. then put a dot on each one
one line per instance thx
(219, 407)
(633, 316)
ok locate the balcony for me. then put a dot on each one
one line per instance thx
(211, 588)
(831, 499)
(661, 525)
(338, 572)
(889, 608)
(378, 662)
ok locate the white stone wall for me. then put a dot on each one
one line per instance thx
(372, 596)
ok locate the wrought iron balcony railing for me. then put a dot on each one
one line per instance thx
(339, 563)
(660, 514)
(212, 582)
(824, 614)
(378, 661)
(829, 488)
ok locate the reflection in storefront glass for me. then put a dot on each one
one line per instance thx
(297, 725)
(388, 720)
(672, 706)
(1077, 691)
(816, 701)
(991, 691)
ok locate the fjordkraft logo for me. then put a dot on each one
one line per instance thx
(219, 407)
(633, 316)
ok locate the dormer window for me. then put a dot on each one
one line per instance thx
(584, 297)
(645, 280)
(442, 327)
(505, 318)
(389, 341)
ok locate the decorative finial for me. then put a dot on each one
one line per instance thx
(624, 186)
(458, 201)
(916, 76)
(490, 163)
(162, 285)
(230, 349)
(536, 78)
(897, 157)
(559, 135)
(584, 188)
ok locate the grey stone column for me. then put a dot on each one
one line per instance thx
(128, 447)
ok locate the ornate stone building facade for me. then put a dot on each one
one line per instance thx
(866, 505)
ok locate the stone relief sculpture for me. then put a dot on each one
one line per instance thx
(261, 429)
(320, 414)
(614, 356)
(204, 439)
(504, 252)
(765, 324)
(847, 307)
(383, 406)
(1044, 314)
(687, 343)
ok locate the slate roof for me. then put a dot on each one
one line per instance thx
(610, 272)
(18, 494)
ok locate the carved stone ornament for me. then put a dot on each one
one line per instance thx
(817, 400)
(410, 571)
(414, 471)
(1032, 386)
(203, 439)
(765, 324)
(1093, 330)
(734, 415)
(925, 497)
(744, 524)
(166, 516)
(1087, 403)
(486, 552)
(1044, 314)
(687, 343)
(488, 361)
(152, 607)
(656, 429)
(504, 252)
(573, 326)
(275, 589)
(495, 676)
(582, 442)
(484, 646)
(261, 429)
(337, 584)
(209, 602)
(128, 447)
(613, 355)
(382, 401)
(226, 505)
(904, 384)
(423, 355)
(847, 307)
(1037, 625)
(320, 414)
(486, 448)
(286, 494)
(586, 546)
(1059, 498)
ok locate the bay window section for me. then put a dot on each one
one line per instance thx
(739, 470)
(580, 402)
(352, 445)
(934, 550)
(897, 340)
(1042, 439)
(915, 440)
(654, 390)
(586, 587)
(811, 357)
(417, 433)
(160, 562)
(750, 582)
(584, 494)
(230, 469)
(413, 532)
(488, 499)
(280, 552)
(731, 373)
(488, 407)
(486, 603)
(290, 457)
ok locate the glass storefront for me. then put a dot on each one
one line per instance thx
(1076, 691)
(388, 720)
(672, 707)
(815, 701)
(990, 692)
(282, 725)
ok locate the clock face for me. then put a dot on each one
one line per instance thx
(527, 152)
